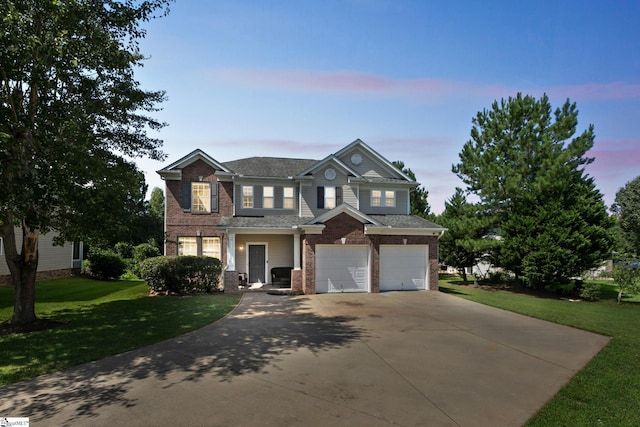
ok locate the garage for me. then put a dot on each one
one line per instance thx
(342, 268)
(403, 267)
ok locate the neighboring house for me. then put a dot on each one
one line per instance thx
(340, 224)
(53, 261)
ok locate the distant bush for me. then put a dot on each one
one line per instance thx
(144, 251)
(591, 291)
(181, 274)
(105, 264)
(124, 249)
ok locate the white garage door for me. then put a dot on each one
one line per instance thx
(403, 267)
(342, 268)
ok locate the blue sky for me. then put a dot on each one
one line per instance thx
(304, 78)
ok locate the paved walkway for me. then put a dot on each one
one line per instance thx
(410, 359)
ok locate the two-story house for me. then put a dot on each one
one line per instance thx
(341, 224)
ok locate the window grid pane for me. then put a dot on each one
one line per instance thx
(211, 247)
(329, 197)
(247, 196)
(267, 197)
(390, 198)
(187, 246)
(200, 197)
(376, 197)
(287, 202)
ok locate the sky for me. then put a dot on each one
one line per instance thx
(304, 78)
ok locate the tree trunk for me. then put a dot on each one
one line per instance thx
(23, 267)
(463, 272)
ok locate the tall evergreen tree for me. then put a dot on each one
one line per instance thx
(467, 240)
(71, 117)
(527, 167)
(627, 209)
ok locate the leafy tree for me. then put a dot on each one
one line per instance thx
(627, 209)
(467, 239)
(71, 118)
(418, 196)
(527, 167)
(156, 203)
(627, 276)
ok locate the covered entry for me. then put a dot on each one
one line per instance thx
(342, 268)
(403, 267)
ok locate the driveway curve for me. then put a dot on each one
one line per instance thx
(398, 358)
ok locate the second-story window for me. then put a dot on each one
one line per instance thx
(385, 198)
(390, 198)
(329, 197)
(200, 197)
(247, 196)
(267, 197)
(287, 197)
(376, 198)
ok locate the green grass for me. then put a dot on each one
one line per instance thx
(103, 319)
(607, 391)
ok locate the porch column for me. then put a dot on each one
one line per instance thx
(296, 251)
(231, 251)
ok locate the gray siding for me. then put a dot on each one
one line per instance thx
(310, 193)
(258, 209)
(402, 196)
(50, 257)
(368, 167)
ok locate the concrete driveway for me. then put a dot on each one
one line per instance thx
(411, 359)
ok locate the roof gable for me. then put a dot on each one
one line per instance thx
(174, 170)
(347, 209)
(391, 174)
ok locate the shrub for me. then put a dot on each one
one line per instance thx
(144, 251)
(591, 291)
(181, 274)
(124, 249)
(105, 264)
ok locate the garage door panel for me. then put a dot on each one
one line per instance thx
(342, 268)
(403, 267)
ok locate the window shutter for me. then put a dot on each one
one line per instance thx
(186, 196)
(338, 196)
(214, 196)
(320, 198)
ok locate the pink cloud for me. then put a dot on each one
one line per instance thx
(422, 88)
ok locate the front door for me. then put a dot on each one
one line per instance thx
(257, 263)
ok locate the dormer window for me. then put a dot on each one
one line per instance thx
(287, 197)
(386, 198)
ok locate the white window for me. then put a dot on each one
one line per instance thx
(187, 246)
(267, 197)
(329, 197)
(376, 198)
(390, 199)
(385, 198)
(247, 196)
(200, 197)
(287, 202)
(211, 247)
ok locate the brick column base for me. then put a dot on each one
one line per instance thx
(296, 281)
(231, 280)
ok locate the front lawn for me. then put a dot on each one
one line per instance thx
(100, 319)
(606, 392)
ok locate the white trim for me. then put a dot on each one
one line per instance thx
(174, 170)
(2, 247)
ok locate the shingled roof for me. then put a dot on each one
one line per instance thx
(272, 167)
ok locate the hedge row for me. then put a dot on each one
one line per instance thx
(181, 274)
